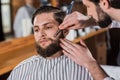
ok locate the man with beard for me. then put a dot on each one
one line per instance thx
(100, 12)
(50, 64)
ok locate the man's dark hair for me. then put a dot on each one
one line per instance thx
(58, 13)
(113, 3)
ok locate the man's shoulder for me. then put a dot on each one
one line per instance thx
(30, 60)
(22, 9)
(115, 24)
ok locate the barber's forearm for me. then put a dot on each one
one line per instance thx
(96, 71)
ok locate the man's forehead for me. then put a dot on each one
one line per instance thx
(43, 23)
(44, 18)
(50, 14)
(86, 1)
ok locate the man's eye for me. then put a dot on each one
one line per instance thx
(35, 30)
(48, 27)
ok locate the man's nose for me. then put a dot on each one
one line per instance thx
(42, 33)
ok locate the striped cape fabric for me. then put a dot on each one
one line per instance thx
(39, 68)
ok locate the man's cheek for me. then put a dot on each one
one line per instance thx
(36, 38)
(51, 33)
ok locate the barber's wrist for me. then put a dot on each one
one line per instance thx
(90, 64)
(96, 71)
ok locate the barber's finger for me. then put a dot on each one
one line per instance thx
(65, 25)
(69, 55)
(73, 14)
(72, 48)
(82, 43)
(71, 23)
(68, 21)
(74, 27)
(67, 17)
(66, 48)
(69, 43)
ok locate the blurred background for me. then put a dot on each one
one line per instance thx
(103, 43)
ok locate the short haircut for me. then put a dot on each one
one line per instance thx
(58, 13)
(113, 3)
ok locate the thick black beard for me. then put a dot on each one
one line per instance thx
(50, 50)
(105, 21)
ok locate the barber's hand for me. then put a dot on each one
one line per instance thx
(74, 20)
(78, 53)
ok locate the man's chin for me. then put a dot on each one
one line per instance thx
(105, 23)
(44, 46)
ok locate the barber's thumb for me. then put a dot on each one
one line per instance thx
(82, 42)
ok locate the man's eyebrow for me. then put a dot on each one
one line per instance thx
(35, 26)
(47, 23)
(50, 22)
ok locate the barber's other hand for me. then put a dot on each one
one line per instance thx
(78, 53)
(74, 20)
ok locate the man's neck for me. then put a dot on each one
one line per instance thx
(115, 14)
(58, 54)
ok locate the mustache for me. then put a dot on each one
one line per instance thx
(44, 39)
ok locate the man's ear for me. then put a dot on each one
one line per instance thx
(65, 32)
(104, 4)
